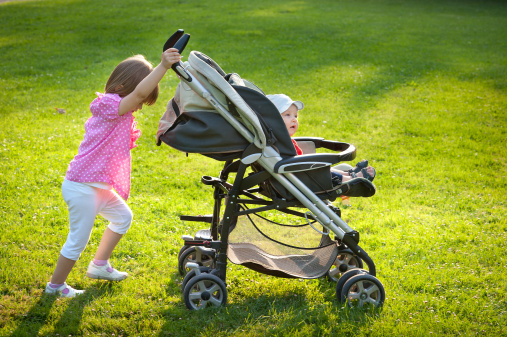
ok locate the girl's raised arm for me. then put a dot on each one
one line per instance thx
(135, 99)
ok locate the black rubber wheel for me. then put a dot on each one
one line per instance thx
(204, 290)
(345, 277)
(191, 274)
(191, 255)
(363, 290)
(345, 258)
(182, 249)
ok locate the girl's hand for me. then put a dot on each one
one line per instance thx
(170, 57)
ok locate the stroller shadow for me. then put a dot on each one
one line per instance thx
(70, 320)
(253, 310)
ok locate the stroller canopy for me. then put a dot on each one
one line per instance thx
(192, 124)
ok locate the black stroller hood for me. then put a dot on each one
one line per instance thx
(208, 133)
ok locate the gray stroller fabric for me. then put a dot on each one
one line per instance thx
(205, 133)
(192, 125)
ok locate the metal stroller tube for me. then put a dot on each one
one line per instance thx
(324, 215)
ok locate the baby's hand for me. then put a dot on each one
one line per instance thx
(170, 57)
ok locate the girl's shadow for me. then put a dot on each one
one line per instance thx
(70, 320)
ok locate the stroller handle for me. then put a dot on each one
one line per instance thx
(173, 39)
(182, 43)
(179, 41)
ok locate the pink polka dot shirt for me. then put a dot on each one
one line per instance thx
(104, 153)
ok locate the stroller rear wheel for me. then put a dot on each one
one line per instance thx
(193, 254)
(182, 249)
(362, 290)
(204, 290)
(345, 261)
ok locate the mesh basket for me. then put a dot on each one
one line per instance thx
(282, 245)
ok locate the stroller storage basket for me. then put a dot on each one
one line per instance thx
(273, 248)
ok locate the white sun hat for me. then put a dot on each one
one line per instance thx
(283, 102)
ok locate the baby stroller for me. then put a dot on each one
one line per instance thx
(272, 209)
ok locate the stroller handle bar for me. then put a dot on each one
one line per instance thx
(179, 41)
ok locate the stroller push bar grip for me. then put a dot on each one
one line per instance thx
(179, 41)
(182, 43)
(173, 39)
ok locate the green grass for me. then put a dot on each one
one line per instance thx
(419, 87)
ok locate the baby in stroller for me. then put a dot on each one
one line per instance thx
(228, 118)
(289, 111)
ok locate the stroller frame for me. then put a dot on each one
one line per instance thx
(242, 192)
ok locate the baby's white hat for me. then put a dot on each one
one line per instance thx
(283, 102)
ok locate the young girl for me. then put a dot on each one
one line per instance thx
(103, 164)
(289, 110)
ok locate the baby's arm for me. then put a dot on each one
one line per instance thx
(149, 83)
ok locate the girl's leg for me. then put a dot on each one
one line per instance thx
(120, 217)
(81, 200)
(107, 244)
(62, 270)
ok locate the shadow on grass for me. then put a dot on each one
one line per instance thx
(266, 314)
(386, 45)
(39, 313)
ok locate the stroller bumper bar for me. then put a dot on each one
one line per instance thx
(309, 161)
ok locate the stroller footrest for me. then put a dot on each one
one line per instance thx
(197, 218)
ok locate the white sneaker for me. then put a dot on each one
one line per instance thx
(105, 272)
(63, 291)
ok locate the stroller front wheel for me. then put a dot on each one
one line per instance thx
(193, 273)
(204, 290)
(345, 277)
(363, 290)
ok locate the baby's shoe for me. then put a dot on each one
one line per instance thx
(105, 272)
(63, 291)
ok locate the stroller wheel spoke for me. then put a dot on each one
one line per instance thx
(216, 301)
(202, 286)
(353, 296)
(195, 296)
(372, 290)
(360, 286)
(346, 259)
(213, 288)
(335, 272)
(372, 301)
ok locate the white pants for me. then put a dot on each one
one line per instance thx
(85, 202)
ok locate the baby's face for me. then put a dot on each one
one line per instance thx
(290, 118)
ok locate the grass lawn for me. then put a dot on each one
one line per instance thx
(419, 87)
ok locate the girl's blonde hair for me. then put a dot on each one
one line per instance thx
(127, 75)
